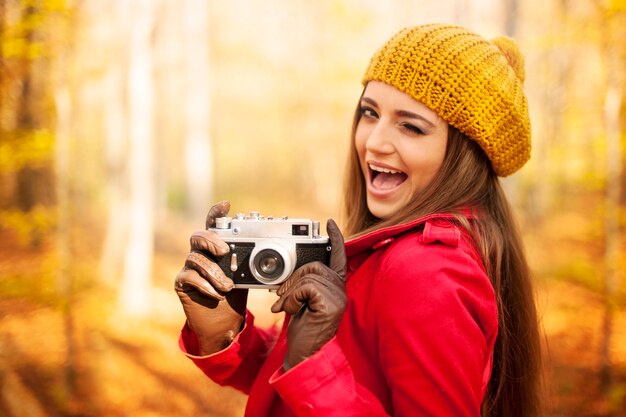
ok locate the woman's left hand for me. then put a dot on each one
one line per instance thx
(315, 296)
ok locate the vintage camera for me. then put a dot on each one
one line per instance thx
(264, 251)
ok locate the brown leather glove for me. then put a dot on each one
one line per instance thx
(315, 296)
(215, 311)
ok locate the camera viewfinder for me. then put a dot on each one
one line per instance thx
(300, 230)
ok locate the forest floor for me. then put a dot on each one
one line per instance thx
(84, 358)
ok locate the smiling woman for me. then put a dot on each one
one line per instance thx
(401, 144)
(428, 309)
(452, 154)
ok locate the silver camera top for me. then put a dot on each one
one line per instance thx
(254, 226)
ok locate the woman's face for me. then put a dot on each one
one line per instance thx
(401, 144)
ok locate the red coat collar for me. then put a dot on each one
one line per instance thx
(378, 237)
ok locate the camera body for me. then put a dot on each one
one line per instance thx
(264, 251)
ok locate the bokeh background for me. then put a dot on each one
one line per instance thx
(122, 121)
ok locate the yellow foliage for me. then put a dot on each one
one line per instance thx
(618, 5)
(40, 219)
(55, 5)
(13, 47)
(26, 148)
(41, 18)
(21, 48)
(47, 5)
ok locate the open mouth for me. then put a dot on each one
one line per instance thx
(383, 178)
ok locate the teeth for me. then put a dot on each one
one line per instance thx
(385, 170)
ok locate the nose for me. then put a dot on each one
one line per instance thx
(380, 141)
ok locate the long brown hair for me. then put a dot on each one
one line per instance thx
(467, 180)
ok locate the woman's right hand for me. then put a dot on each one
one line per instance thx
(215, 310)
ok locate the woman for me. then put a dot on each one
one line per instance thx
(429, 310)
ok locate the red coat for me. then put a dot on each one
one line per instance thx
(416, 338)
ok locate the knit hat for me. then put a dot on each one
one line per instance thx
(473, 84)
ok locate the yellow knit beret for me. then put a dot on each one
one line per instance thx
(473, 84)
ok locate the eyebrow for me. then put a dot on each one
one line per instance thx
(401, 113)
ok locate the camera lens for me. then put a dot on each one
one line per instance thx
(272, 261)
(269, 264)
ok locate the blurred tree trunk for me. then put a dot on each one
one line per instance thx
(461, 11)
(7, 179)
(511, 184)
(198, 149)
(557, 67)
(135, 288)
(115, 126)
(65, 286)
(615, 70)
(510, 17)
(2, 69)
(34, 184)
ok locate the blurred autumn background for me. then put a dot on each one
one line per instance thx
(122, 121)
